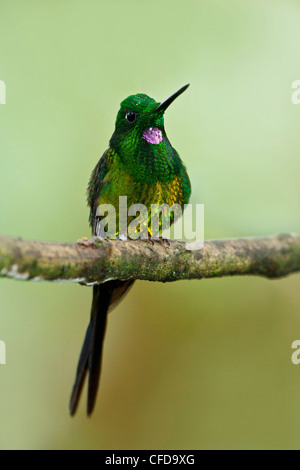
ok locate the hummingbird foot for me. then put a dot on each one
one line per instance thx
(162, 241)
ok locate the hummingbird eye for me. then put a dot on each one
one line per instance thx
(131, 116)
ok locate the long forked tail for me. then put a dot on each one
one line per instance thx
(105, 296)
(91, 352)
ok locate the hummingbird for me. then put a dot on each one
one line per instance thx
(141, 164)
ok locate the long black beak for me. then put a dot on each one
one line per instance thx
(165, 104)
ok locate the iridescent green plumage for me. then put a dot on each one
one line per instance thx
(142, 165)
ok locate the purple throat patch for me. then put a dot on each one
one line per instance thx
(153, 135)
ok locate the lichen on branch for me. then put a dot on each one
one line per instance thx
(94, 262)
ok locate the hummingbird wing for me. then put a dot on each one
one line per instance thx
(97, 184)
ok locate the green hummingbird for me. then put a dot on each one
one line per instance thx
(141, 164)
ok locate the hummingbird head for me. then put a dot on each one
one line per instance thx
(140, 120)
(140, 140)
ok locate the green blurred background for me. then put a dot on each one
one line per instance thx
(193, 364)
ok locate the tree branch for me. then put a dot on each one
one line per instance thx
(88, 263)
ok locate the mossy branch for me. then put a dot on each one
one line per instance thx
(87, 263)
